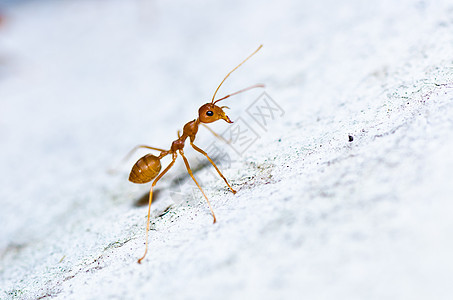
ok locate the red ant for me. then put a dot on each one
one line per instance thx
(149, 166)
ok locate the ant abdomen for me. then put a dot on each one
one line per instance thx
(145, 169)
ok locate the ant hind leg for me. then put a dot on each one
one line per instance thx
(151, 200)
(129, 154)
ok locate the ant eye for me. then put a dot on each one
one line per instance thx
(209, 113)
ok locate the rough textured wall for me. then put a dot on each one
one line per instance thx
(344, 179)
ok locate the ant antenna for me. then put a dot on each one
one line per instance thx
(233, 71)
(259, 85)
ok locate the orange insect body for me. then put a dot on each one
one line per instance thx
(145, 169)
(148, 167)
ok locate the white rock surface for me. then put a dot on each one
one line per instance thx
(315, 216)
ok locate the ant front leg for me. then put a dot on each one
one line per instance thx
(216, 134)
(210, 160)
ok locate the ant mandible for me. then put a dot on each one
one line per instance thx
(148, 167)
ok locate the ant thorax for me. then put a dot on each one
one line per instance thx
(191, 129)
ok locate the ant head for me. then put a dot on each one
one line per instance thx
(210, 112)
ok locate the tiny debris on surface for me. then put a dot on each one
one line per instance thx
(317, 215)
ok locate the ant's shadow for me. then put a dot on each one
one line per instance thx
(144, 200)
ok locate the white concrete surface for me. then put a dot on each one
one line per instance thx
(315, 216)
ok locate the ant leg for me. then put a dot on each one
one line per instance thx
(210, 160)
(151, 200)
(216, 134)
(191, 175)
(128, 155)
(142, 146)
(179, 134)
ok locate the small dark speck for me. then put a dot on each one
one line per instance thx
(351, 138)
(279, 140)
